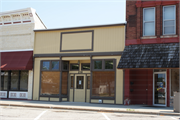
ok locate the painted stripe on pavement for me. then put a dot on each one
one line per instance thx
(40, 115)
(105, 116)
(173, 118)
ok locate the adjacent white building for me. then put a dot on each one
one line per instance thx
(16, 47)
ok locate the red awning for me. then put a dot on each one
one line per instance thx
(17, 60)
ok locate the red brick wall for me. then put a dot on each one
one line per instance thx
(131, 10)
(134, 28)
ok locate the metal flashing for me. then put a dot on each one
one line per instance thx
(93, 26)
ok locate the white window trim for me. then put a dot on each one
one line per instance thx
(149, 21)
(169, 20)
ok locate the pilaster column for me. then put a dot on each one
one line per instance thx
(138, 27)
(158, 19)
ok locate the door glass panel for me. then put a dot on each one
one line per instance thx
(160, 89)
(80, 82)
(14, 80)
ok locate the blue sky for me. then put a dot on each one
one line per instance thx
(72, 13)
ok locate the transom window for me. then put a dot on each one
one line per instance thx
(149, 21)
(169, 20)
(74, 66)
(98, 64)
(85, 66)
(108, 64)
(50, 65)
(101, 65)
(46, 65)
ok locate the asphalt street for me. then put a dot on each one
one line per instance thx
(25, 113)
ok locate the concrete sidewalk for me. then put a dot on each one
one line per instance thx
(140, 109)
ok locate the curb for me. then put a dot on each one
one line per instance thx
(91, 109)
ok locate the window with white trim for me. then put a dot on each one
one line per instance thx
(169, 20)
(149, 21)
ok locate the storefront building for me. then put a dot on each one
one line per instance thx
(79, 64)
(151, 57)
(16, 52)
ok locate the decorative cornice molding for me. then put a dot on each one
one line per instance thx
(138, 3)
(154, 3)
(152, 41)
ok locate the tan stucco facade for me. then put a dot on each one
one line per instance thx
(106, 40)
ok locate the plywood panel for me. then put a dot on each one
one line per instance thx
(103, 84)
(50, 82)
(108, 101)
(77, 41)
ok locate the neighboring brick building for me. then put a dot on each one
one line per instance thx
(151, 55)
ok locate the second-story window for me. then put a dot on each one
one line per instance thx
(149, 21)
(169, 20)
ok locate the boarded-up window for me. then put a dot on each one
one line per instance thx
(50, 83)
(64, 83)
(103, 84)
(132, 21)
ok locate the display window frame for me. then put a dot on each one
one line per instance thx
(18, 82)
(105, 70)
(50, 70)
